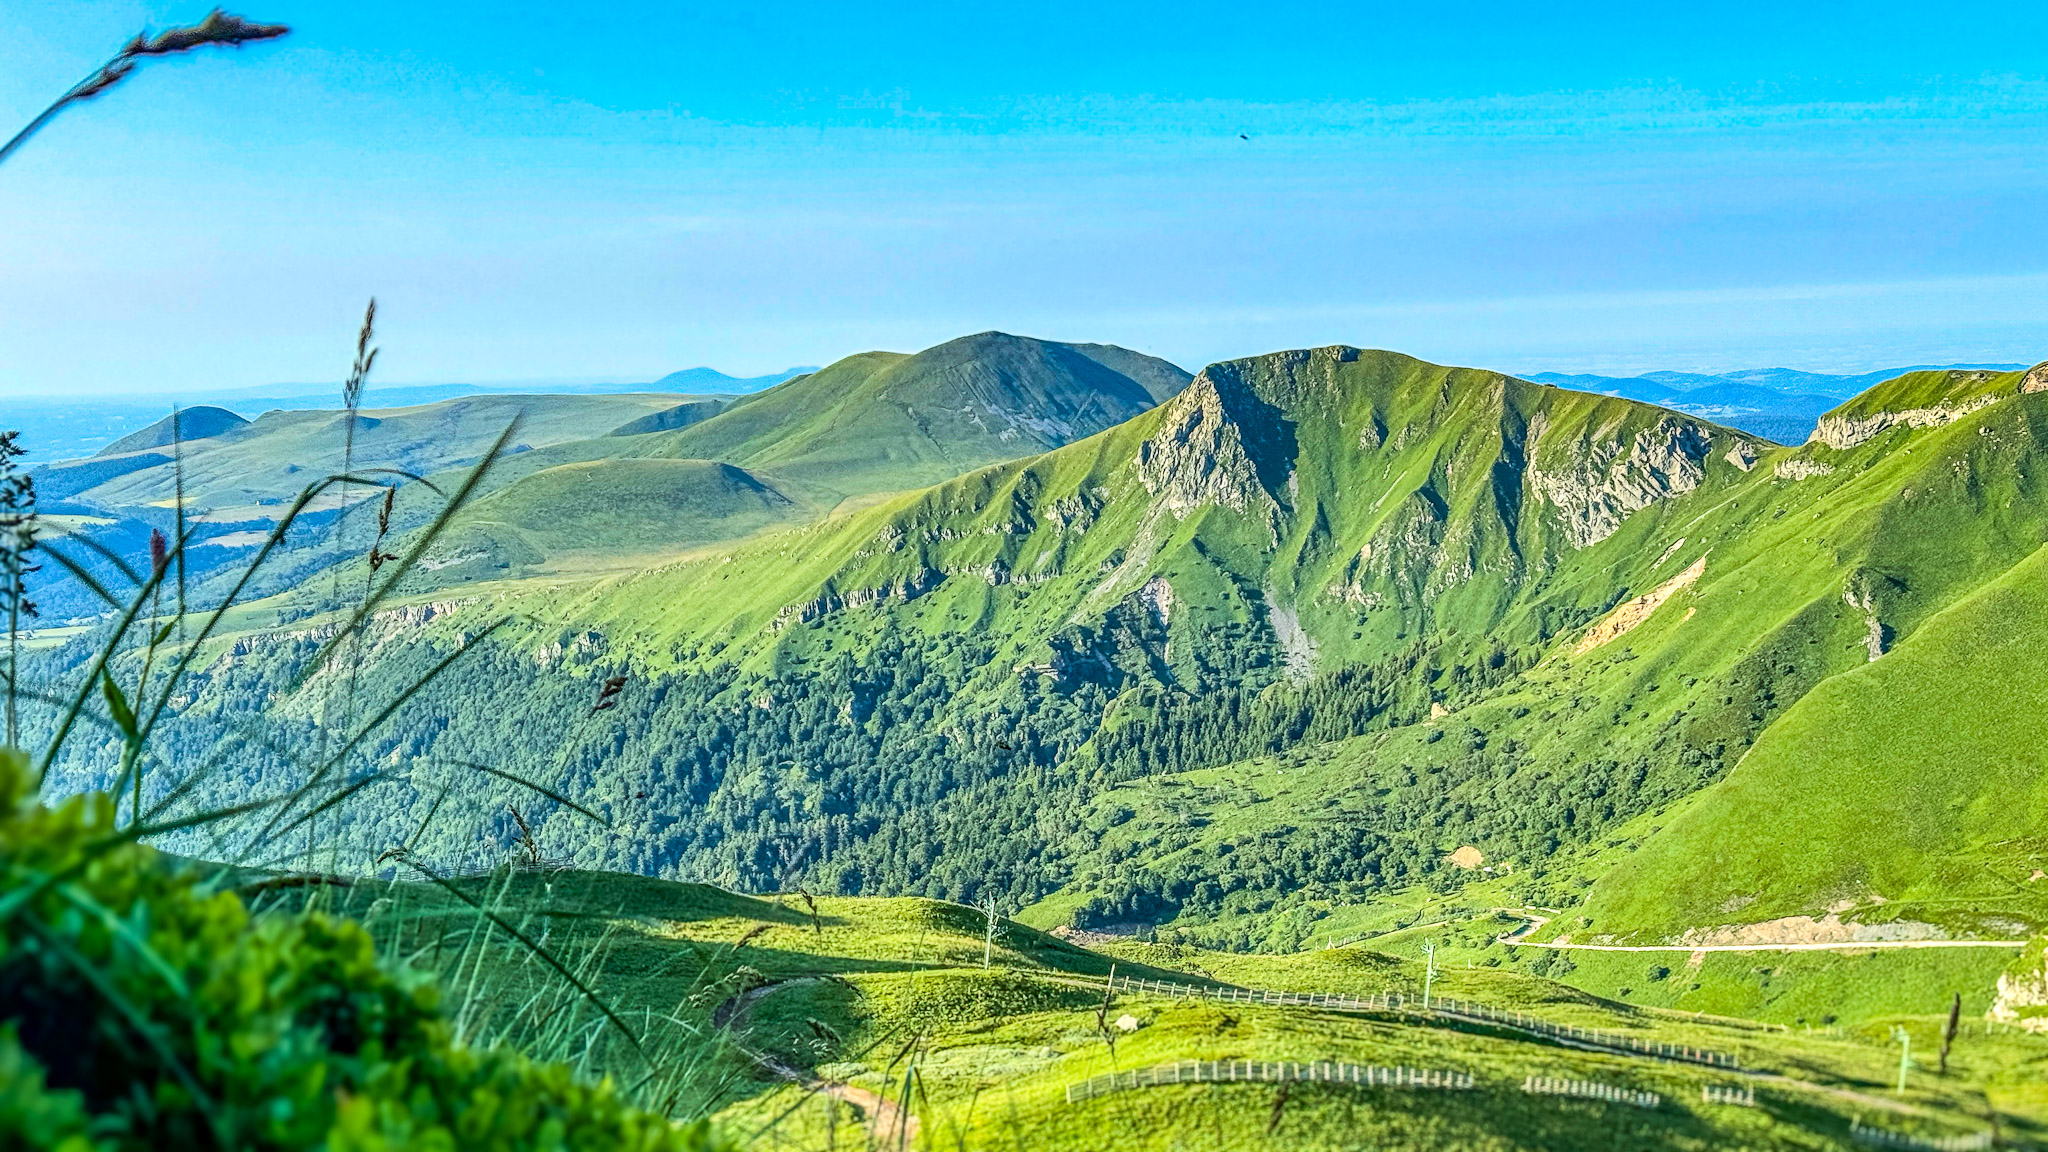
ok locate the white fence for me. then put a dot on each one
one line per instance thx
(1590, 1090)
(1881, 1138)
(1441, 1006)
(1257, 1071)
(1743, 1097)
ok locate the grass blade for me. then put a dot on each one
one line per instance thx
(542, 789)
(412, 556)
(534, 947)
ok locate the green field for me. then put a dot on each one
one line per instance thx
(825, 1009)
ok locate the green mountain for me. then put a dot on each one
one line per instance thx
(882, 420)
(875, 422)
(1323, 627)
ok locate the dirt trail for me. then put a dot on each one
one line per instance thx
(1520, 938)
(890, 1125)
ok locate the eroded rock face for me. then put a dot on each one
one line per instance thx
(1624, 619)
(1605, 486)
(2036, 379)
(1198, 457)
(1848, 431)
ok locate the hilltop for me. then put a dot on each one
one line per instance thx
(196, 423)
(883, 420)
(712, 380)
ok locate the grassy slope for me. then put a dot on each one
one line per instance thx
(614, 510)
(276, 455)
(856, 984)
(1917, 778)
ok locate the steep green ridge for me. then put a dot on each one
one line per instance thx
(1916, 779)
(1363, 492)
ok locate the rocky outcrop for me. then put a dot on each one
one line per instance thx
(1624, 619)
(1297, 647)
(2036, 379)
(1741, 455)
(1198, 457)
(830, 601)
(1800, 468)
(1877, 635)
(1404, 552)
(1157, 596)
(1841, 432)
(2022, 999)
(1604, 486)
(1828, 929)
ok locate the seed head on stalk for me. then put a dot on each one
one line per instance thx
(218, 29)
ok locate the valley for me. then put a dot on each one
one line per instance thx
(1302, 674)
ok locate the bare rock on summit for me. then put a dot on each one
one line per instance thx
(1198, 457)
(1841, 432)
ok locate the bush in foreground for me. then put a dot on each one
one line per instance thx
(140, 1010)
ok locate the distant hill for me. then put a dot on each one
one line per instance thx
(1779, 404)
(189, 424)
(245, 467)
(712, 380)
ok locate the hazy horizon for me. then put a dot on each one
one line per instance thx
(531, 196)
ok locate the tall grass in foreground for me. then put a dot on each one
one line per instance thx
(145, 1003)
(510, 977)
(142, 1004)
(129, 962)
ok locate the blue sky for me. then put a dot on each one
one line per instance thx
(614, 192)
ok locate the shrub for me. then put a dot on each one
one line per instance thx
(141, 1009)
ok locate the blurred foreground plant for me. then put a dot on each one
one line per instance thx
(218, 29)
(145, 1010)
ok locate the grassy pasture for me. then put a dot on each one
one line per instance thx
(819, 1006)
